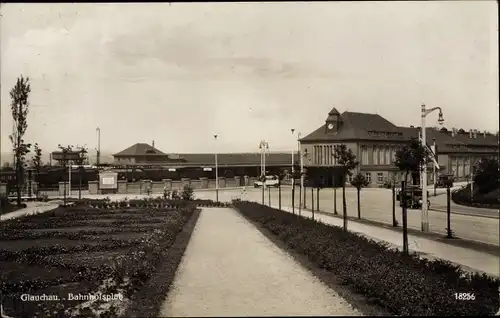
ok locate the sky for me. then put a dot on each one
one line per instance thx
(179, 73)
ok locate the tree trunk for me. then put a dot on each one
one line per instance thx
(405, 224)
(263, 193)
(359, 205)
(312, 201)
(269, 195)
(80, 188)
(18, 188)
(317, 199)
(344, 206)
(449, 234)
(335, 201)
(394, 222)
(279, 195)
(64, 201)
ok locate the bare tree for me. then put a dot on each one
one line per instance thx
(64, 162)
(81, 169)
(19, 95)
(347, 160)
(409, 159)
(359, 181)
(36, 162)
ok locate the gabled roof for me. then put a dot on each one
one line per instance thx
(358, 126)
(139, 149)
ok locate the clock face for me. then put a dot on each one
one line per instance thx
(330, 126)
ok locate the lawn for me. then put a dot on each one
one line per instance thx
(80, 250)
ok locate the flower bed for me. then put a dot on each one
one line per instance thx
(155, 202)
(403, 284)
(35, 268)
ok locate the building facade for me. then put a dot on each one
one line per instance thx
(374, 140)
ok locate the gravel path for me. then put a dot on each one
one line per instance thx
(231, 269)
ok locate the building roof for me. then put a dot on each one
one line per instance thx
(373, 127)
(358, 126)
(139, 149)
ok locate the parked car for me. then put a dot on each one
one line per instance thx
(413, 197)
(271, 181)
(445, 180)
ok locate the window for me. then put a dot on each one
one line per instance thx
(388, 156)
(368, 176)
(380, 177)
(375, 155)
(364, 155)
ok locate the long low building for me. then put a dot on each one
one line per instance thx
(142, 156)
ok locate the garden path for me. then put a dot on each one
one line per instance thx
(231, 269)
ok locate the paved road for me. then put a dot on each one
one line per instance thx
(376, 205)
(231, 269)
(438, 203)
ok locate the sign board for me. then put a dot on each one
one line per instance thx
(108, 180)
(171, 169)
(70, 155)
(207, 169)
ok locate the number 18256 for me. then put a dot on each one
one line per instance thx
(465, 296)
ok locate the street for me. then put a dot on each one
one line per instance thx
(376, 205)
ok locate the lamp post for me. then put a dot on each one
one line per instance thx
(293, 177)
(216, 174)
(425, 211)
(263, 146)
(302, 156)
(301, 172)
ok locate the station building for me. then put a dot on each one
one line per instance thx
(375, 140)
(142, 156)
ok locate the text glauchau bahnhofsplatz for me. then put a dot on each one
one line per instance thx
(70, 296)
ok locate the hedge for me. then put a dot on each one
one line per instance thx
(403, 284)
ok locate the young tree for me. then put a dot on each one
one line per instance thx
(36, 161)
(282, 175)
(409, 159)
(64, 162)
(19, 95)
(359, 181)
(347, 160)
(81, 169)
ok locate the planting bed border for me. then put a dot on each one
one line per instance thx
(359, 301)
(148, 300)
(368, 305)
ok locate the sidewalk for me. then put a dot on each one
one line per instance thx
(469, 259)
(230, 269)
(31, 208)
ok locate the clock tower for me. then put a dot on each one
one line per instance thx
(332, 122)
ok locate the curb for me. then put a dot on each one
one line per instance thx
(433, 236)
(467, 214)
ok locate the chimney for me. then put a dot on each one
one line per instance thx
(475, 133)
(471, 132)
(453, 132)
(485, 133)
(153, 144)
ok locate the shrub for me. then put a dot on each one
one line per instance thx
(187, 193)
(404, 284)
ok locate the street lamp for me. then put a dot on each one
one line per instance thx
(216, 174)
(263, 146)
(302, 175)
(425, 211)
(293, 178)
